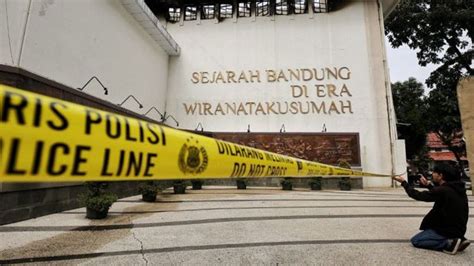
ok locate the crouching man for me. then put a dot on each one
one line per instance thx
(443, 228)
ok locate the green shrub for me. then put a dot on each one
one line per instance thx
(286, 184)
(344, 164)
(100, 203)
(241, 183)
(179, 187)
(285, 181)
(316, 183)
(345, 182)
(96, 196)
(197, 184)
(149, 189)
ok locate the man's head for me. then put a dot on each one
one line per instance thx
(445, 172)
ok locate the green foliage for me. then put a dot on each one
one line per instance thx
(318, 180)
(100, 203)
(148, 189)
(197, 181)
(96, 188)
(179, 183)
(241, 183)
(434, 28)
(316, 183)
(422, 160)
(344, 164)
(411, 111)
(443, 112)
(442, 33)
(345, 182)
(179, 187)
(97, 198)
(285, 181)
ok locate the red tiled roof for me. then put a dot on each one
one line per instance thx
(443, 156)
(433, 141)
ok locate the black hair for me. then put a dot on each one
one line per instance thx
(449, 172)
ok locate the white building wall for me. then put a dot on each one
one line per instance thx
(71, 41)
(13, 15)
(349, 37)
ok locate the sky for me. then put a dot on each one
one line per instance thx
(403, 64)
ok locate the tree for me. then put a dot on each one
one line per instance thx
(442, 33)
(436, 28)
(444, 120)
(410, 108)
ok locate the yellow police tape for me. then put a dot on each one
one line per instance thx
(43, 139)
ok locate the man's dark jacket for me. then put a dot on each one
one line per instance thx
(450, 211)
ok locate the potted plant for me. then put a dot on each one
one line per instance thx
(241, 184)
(286, 184)
(179, 187)
(197, 184)
(345, 182)
(149, 191)
(316, 183)
(97, 200)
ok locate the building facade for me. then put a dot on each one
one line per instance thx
(260, 68)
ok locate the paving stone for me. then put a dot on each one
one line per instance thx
(223, 225)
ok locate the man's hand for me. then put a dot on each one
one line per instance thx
(424, 181)
(398, 178)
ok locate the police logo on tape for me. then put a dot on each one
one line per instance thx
(193, 158)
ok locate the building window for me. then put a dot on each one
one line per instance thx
(244, 9)
(190, 13)
(263, 8)
(301, 6)
(174, 13)
(208, 12)
(320, 6)
(225, 11)
(281, 7)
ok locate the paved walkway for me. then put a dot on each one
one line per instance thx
(222, 225)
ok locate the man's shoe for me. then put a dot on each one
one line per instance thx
(453, 246)
(464, 244)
